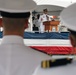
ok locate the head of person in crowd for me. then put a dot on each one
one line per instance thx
(68, 17)
(38, 16)
(15, 15)
(45, 11)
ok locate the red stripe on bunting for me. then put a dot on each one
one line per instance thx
(55, 49)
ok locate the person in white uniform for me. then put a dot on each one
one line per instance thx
(15, 57)
(43, 18)
(68, 17)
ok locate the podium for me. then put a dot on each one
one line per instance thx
(50, 24)
(0, 22)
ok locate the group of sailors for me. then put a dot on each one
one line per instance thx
(18, 59)
(38, 21)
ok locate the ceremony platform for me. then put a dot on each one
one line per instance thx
(53, 43)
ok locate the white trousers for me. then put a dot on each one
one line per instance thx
(42, 28)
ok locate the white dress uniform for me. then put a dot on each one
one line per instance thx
(37, 23)
(42, 19)
(16, 58)
(69, 69)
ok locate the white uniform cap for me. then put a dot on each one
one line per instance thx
(68, 17)
(17, 6)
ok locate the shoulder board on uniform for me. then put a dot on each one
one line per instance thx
(56, 62)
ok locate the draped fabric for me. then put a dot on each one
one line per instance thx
(54, 50)
(51, 35)
(50, 43)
